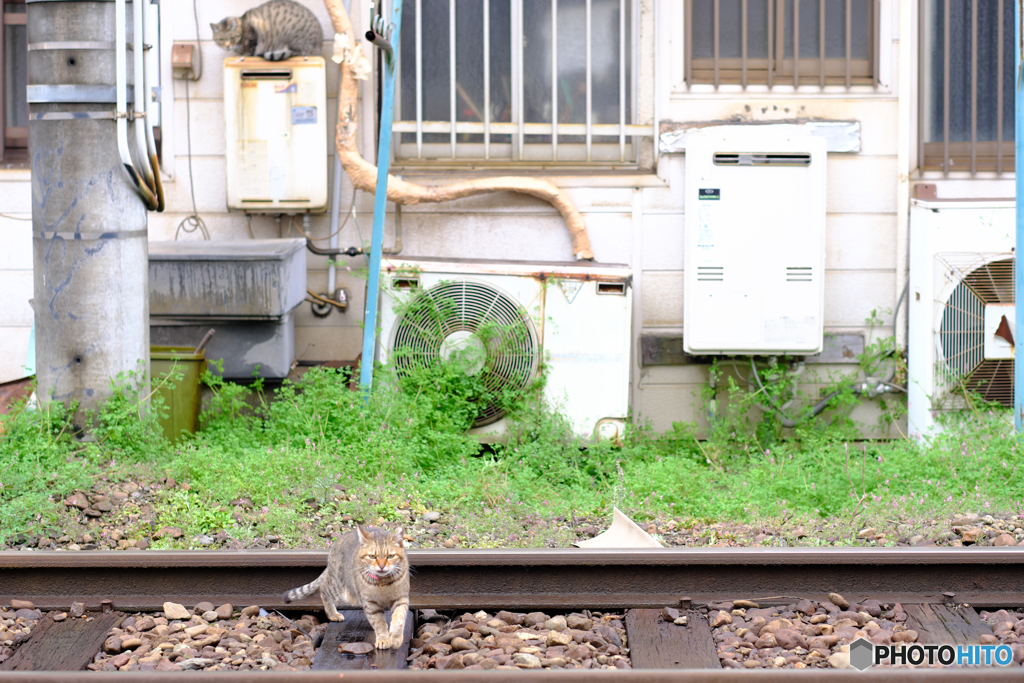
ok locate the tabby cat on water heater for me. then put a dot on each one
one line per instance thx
(275, 30)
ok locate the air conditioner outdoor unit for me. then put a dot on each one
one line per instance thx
(504, 319)
(276, 116)
(755, 242)
(961, 315)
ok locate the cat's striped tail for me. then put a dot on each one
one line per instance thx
(302, 591)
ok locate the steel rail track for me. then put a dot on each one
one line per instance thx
(521, 579)
(530, 579)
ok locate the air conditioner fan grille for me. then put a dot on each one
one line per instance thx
(962, 334)
(505, 331)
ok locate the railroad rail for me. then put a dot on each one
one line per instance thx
(514, 579)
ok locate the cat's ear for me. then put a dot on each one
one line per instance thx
(363, 536)
(215, 26)
(234, 22)
(399, 536)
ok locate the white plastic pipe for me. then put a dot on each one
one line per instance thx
(332, 243)
(139, 69)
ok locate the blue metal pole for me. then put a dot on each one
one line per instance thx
(380, 201)
(1018, 140)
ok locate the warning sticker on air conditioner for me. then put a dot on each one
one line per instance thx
(301, 115)
(705, 226)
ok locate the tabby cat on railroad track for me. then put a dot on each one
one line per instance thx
(367, 567)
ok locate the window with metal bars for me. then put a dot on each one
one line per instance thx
(13, 83)
(966, 85)
(535, 81)
(753, 42)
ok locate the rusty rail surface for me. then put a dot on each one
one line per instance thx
(522, 579)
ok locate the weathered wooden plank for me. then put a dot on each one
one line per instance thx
(944, 625)
(657, 644)
(63, 645)
(356, 629)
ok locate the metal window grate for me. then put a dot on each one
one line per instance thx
(548, 81)
(965, 104)
(769, 42)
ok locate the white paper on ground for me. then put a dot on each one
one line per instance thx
(623, 533)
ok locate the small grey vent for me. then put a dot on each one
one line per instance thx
(266, 74)
(710, 273)
(762, 159)
(799, 274)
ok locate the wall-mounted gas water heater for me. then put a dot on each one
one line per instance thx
(276, 114)
(755, 243)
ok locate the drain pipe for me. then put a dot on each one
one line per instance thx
(149, 27)
(121, 64)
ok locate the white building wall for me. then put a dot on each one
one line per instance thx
(631, 219)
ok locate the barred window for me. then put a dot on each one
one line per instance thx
(967, 92)
(749, 42)
(541, 81)
(13, 83)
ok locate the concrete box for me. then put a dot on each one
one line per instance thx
(261, 279)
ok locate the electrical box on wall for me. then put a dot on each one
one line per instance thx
(276, 114)
(755, 243)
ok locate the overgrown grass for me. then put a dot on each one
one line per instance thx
(405, 450)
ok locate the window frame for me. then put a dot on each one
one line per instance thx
(13, 139)
(807, 71)
(626, 154)
(968, 156)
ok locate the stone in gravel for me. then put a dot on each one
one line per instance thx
(580, 622)
(725, 606)
(839, 660)
(535, 619)
(908, 636)
(251, 611)
(198, 630)
(60, 616)
(512, 618)
(1004, 540)
(855, 617)
(609, 634)
(838, 600)
(103, 506)
(173, 610)
(556, 623)
(196, 663)
(964, 520)
(867, 533)
(744, 604)
(22, 604)
(720, 619)
(224, 611)
(681, 621)
(30, 614)
(204, 606)
(805, 606)
(203, 540)
(209, 615)
(461, 644)
(355, 648)
(790, 639)
(971, 534)
(173, 532)
(112, 645)
(131, 643)
(145, 624)
(525, 660)
(77, 500)
(988, 639)
(431, 516)
(77, 609)
(558, 638)
(669, 613)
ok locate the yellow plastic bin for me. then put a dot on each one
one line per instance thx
(183, 400)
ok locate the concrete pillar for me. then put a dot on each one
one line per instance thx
(89, 233)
